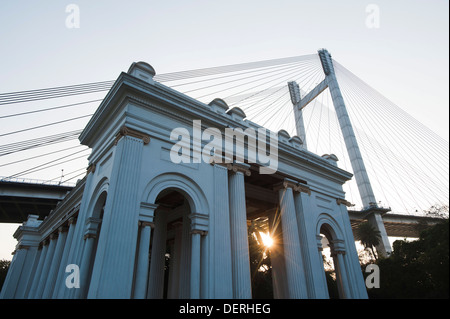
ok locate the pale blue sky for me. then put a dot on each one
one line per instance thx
(406, 59)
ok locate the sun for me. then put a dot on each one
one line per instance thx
(267, 240)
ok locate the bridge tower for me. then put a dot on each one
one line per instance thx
(371, 211)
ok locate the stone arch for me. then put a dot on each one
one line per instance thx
(100, 190)
(328, 223)
(178, 182)
(174, 236)
(330, 228)
(91, 234)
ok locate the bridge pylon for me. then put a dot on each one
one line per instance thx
(371, 211)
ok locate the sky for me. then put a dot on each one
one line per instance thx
(404, 56)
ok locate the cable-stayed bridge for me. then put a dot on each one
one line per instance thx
(406, 162)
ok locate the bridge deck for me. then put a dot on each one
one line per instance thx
(20, 199)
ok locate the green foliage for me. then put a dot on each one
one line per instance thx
(417, 269)
(369, 237)
(4, 266)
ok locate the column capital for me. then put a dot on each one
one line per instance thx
(146, 223)
(286, 183)
(241, 168)
(20, 246)
(62, 229)
(303, 189)
(126, 131)
(337, 246)
(72, 220)
(290, 183)
(89, 235)
(53, 236)
(201, 232)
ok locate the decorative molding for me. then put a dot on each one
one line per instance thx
(319, 242)
(147, 214)
(303, 189)
(126, 131)
(91, 168)
(199, 223)
(340, 201)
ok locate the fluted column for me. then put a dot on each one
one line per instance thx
(306, 216)
(195, 265)
(322, 283)
(60, 280)
(15, 269)
(277, 259)
(140, 286)
(146, 217)
(20, 273)
(54, 266)
(90, 237)
(199, 228)
(156, 275)
(292, 251)
(240, 257)
(37, 275)
(221, 272)
(114, 267)
(338, 252)
(175, 257)
(46, 266)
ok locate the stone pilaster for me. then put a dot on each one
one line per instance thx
(199, 228)
(140, 284)
(221, 236)
(90, 237)
(46, 266)
(156, 275)
(337, 252)
(240, 256)
(114, 265)
(60, 281)
(54, 265)
(36, 275)
(292, 250)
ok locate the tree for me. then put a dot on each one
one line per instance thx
(4, 266)
(417, 269)
(369, 237)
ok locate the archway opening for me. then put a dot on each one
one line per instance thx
(332, 253)
(261, 242)
(95, 223)
(169, 271)
(328, 264)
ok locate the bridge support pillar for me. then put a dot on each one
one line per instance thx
(357, 162)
